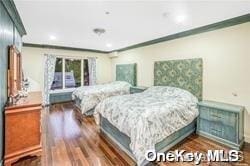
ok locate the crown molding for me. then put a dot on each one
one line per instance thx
(10, 7)
(206, 28)
(62, 48)
(211, 27)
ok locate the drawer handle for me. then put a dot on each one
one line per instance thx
(217, 130)
(214, 115)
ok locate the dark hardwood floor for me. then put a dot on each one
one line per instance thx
(71, 139)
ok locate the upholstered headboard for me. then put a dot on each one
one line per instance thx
(126, 72)
(185, 74)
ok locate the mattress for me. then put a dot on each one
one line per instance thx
(87, 97)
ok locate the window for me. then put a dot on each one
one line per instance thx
(58, 76)
(70, 73)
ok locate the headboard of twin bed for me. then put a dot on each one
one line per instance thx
(185, 74)
(127, 72)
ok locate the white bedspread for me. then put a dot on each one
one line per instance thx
(90, 96)
(149, 117)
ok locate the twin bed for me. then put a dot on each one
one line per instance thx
(157, 118)
(87, 97)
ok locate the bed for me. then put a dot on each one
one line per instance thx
(159, 117)
(87, 97)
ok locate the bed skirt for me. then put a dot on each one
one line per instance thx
(123, 141)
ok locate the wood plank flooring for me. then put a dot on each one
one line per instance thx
(72, 139)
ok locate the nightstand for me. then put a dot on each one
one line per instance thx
(221, 122)
(137, 89)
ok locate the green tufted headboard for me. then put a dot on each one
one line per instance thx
(185, 74)
(126, 72)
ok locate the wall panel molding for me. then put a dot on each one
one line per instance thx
(10, 7)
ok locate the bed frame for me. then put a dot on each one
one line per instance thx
(185, 74)
(123, 141)
(77, 103)
(124, 72)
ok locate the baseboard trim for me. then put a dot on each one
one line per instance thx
(247, 138)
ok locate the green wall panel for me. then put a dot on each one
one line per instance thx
(8, 36)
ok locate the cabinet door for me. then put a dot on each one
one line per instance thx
(22, 130)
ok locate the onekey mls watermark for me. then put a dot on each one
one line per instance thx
(196, 157)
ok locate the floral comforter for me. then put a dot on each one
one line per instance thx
(90, 96)
(149, 117)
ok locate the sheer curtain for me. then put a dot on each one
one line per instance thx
(92, 70)
(49, 71)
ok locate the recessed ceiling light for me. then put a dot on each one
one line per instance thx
(52, 37)
(181, 18)
(109, 45)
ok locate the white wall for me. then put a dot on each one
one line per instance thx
(226, 57)
(225, 53)
(33, 64)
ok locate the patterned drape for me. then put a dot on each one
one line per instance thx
(49, 71)
(92, 70)
(86, 72)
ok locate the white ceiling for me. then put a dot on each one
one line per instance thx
(129, 23)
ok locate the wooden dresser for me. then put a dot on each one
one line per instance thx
(23, 128)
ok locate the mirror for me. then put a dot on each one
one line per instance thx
(14, 72)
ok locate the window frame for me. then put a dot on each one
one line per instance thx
(64, 89)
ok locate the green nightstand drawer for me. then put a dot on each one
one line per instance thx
(216, 115)
(137, 89)
(218, 130)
